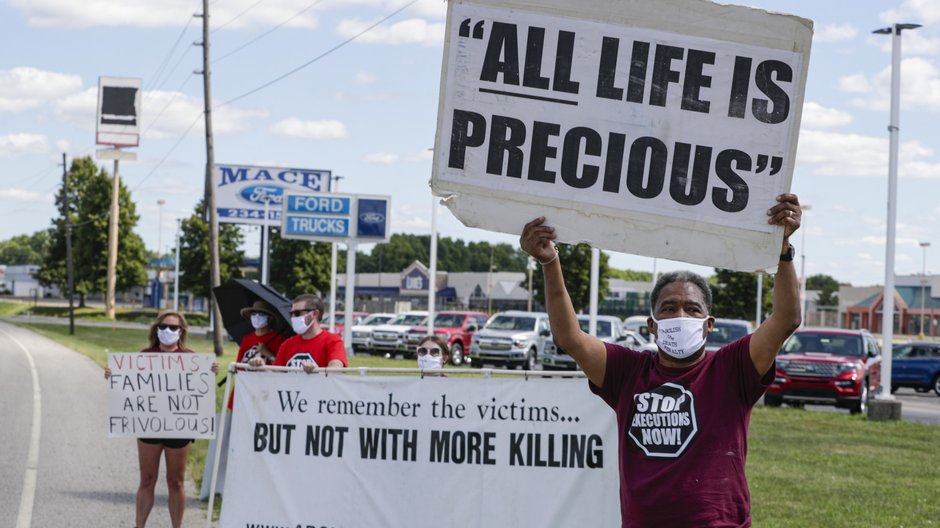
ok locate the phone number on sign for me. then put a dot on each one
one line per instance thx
(257, 214)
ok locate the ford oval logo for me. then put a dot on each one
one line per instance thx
(258, 194)
(372, 218)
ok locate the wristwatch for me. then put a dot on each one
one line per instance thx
(788, 256)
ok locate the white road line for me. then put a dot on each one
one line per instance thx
(24, 518)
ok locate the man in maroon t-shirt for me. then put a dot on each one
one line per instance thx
(312, 347)
(682, 414)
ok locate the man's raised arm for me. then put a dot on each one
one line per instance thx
(588, 351)
(785, 317)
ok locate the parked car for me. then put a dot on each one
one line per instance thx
(454, 327)
(341, 320)
(637, 323)
(362, 332)
(389, 338)
(916, 365)
(609, 329)
(827, 366)
(512, 338)
(727, 331)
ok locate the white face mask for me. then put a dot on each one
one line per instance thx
(168, 337)
(680, 337)
(300, 325)
(259, 320)
(428, 361)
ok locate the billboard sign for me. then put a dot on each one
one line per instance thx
(242, 190)
(336, 217)
(118, 120)
(664, 128)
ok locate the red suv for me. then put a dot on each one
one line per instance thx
(456, 328)
(827, 366)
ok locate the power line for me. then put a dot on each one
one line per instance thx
(176, 94)
(318, 57)
(268, 32)
(167, 155)
(236, 17)
(156, 75)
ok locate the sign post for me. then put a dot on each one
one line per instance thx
(348, 218)
(118, 125)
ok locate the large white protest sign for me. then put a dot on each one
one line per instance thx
(161, 395)
(658, 128)
(350, 451)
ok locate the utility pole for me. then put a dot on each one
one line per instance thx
(113, 222)
(68, 244)
(215, 277)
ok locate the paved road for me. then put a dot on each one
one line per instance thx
(78, 477)
(915, 407)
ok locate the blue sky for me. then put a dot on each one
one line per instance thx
(367, 111)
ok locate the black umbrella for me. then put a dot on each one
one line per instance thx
(241, 293)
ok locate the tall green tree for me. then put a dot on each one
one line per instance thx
(631, 275)
(828, 288)
(299, 266)
(25, 249)
(89, 194)
(576, 263)
(452, 255)
(734, 294)
(195, 257)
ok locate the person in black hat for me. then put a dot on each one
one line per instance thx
(265, 341)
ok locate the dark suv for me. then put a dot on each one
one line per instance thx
(827, 366)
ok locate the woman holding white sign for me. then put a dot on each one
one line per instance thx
(167, 334)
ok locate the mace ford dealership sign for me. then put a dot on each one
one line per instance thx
(242, 190)
(657, 128)
(336, 217)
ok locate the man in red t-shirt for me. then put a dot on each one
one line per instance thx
(312, 347)
(682, 414)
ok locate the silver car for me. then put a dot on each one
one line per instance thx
(512, 338)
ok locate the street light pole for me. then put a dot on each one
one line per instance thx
(923, 288)
(887, 320)
(160, 204)
(803, 303)
(176, 272)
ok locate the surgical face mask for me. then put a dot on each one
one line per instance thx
(680, 337)
(259, 320)
(168, 337)
(428, 361)
(300, 325)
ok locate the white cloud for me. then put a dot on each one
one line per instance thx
(916, 11)
(162, 13)
(364, 78)
(412, 31)
(24, 88)
(63, 145)
(856, 83)
(298, 128)
(834, 154)
(164, 114)
(21, 195)
(428, 8)
(835, 33)
(391, 158)
(920, 86)
(12, 145)
(817, 116)
(409, 218)
(383, 158)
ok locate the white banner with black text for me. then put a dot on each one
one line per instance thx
(356, 451)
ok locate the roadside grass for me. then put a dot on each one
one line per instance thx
(125, 315)
(810, 468)
(804, 468)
